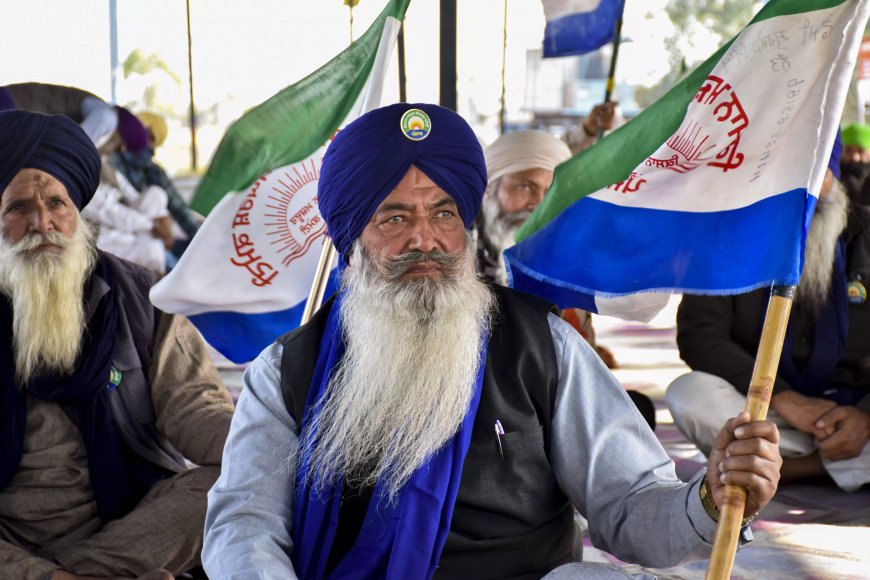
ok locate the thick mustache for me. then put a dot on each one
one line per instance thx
(399, 265)
(34, 240)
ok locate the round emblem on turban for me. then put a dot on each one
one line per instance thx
(416, 124)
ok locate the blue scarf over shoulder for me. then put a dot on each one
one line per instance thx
(397, 541)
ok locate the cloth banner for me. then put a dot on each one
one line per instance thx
(579, 26)
(246, 275)
(712, 189)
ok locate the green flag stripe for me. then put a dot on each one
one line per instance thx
(291, 125)
(615, 157)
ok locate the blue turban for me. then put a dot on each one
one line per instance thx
(52, 143)
(369, 157)
(836, 153)
(6, 100)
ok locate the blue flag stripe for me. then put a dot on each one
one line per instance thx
(241, 337)
(739, 250)
(582, 32)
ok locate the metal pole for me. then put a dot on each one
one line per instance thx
(757, 402)
(403, 89)
(611, 76)
(113, 46)
(447, 94)
(501, 111)
(192, 105)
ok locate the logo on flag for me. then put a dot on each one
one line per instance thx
(287, 200)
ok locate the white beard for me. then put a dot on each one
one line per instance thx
(499, 229)
(46, 291)
(404, 385)
(828, 223)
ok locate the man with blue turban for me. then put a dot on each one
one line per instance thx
(102, 397)
(427, 424)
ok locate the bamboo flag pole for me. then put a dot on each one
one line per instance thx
(321, 277)
(757, 402)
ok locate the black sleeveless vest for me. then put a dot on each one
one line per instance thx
(511, 519)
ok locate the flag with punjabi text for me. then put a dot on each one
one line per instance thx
(712, 189)
(245, 278)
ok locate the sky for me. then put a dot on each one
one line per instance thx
(244, 52)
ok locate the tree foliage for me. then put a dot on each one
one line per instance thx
(137, 62)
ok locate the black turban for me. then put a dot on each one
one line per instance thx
(52, 143)
(369, 157)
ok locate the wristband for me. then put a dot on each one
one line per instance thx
(710, 506)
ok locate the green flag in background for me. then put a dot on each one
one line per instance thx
(294, 123)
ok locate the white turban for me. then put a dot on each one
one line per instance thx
(524, 150)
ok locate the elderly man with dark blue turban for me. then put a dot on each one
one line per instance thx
(427, 424)
(102, 397)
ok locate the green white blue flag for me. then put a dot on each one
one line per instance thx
(245, 277)
(712, 189)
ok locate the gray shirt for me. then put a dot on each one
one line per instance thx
(603, 454)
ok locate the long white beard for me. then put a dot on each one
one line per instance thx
(828, 223)
(46, 288)
(499, 228)
(404, 385)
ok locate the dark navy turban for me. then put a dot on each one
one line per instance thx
(52, 143)
(369, 157)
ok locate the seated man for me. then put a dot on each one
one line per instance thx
(102, 397)
(821, 397)
(519, 168)
(427, 423)
(131, 223)
(135, 159)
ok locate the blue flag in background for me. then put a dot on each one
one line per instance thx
(579, 26)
